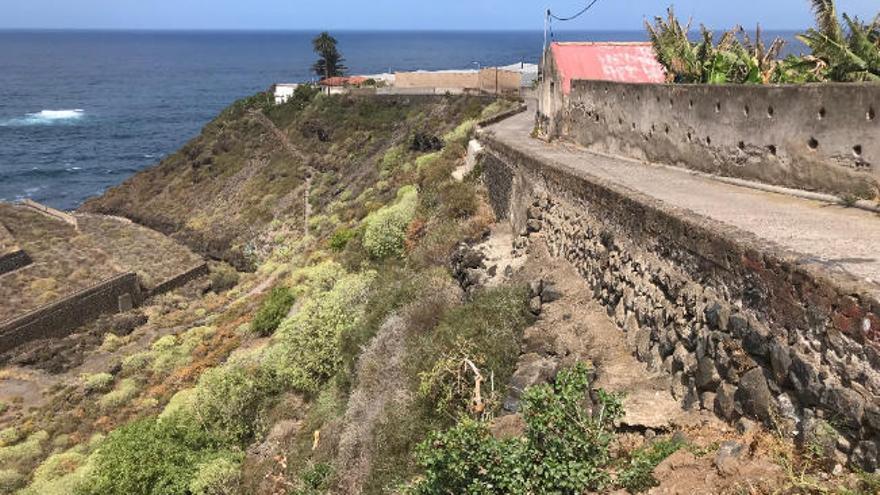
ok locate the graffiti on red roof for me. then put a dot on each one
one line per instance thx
(621, 62)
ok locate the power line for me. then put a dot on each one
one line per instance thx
(571, 18)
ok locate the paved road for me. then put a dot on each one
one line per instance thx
(839, 238)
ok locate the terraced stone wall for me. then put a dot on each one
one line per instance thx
(744, 329)
(62, 317)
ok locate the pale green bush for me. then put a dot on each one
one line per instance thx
(220, 476)
(24, 452)
(136, 363)
(427, 160)
(97, 382)
(462, 133)
(385, 230)
(316, 278)
(126, 390)
(10, 435)
(10, 480)
(59, 474)
(229, 401)
(306, 347)
(393, 159)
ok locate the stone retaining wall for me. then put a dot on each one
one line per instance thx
(60, 318)
(13, 261)
(180, 280)
(814, 137)
(744, 328)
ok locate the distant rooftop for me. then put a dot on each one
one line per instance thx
(632, 62)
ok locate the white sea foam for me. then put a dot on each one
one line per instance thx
(46, 117)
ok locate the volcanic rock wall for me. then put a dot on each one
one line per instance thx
(744, 329)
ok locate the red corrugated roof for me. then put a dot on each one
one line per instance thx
(343, 81)
(607, 61)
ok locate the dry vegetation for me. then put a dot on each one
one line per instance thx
(64, 261)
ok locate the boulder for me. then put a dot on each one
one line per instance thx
(753, 395)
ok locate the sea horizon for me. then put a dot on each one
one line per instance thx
(84, 110)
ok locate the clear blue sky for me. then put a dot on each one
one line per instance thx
(397, 14)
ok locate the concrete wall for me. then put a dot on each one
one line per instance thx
(743, 329)
(813, 137)
(61, 318)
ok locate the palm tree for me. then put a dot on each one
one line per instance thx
(330, 62)
(849, 53)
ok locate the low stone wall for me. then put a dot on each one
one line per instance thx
(180, 280)
(814, 137)
(62, 317)
(50, 212)
(14, 261)
(743, 328)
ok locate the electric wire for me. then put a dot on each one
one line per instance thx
(575, 16)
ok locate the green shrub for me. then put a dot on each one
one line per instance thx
(462, 133)
(10, 480)
(637, 476)
(220, 476)
(223, 278)
(24, 452)
(126, 390)
(10, 435)
(273, 311)
(60, 474)
(393, 159)
(487, 331)
(97, 382)
(307, 347)
(149, 457)
(315, 479)
(136, 362)
(230, 399)
(385, 230)
(565, 448)
(340, 239)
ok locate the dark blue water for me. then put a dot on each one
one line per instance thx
(82, 111)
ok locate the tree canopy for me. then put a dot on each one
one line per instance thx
(330, 63)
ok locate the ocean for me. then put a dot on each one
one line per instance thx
(81, 111)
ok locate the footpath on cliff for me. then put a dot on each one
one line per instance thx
(829, 236)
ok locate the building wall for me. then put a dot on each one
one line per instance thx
(815, 137)
(742, 328)
(484, 80)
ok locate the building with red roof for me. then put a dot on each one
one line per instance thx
(624, 62)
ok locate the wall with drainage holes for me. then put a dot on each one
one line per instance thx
(817, 137)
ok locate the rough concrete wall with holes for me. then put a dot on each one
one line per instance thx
(813, 137)
(744, 329)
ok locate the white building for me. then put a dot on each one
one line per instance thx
(284, 92)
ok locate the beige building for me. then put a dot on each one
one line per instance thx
(489, 80)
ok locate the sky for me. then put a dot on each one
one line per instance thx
(399, 14)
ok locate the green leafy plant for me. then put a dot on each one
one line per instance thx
(149, 457)
(273, 311)
(565, 448)
(637, 475)
(385, 230)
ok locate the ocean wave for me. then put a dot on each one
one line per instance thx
(45, 117)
